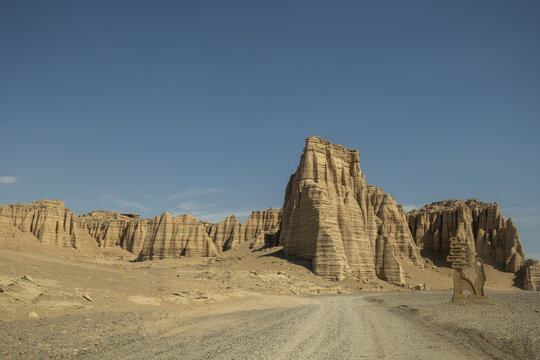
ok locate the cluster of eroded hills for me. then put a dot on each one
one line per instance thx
(331, 216)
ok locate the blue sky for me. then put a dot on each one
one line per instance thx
(203, 106)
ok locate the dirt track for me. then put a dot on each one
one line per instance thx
(325, 327)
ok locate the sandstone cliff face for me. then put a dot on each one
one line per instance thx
(479, 223)
(113, 229)
(329, 217)
(162, 237)
(48, 220)
(259, 226)
(531, 275)
(184, 235)
(167, 237)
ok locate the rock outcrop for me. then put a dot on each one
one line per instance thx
(48, 220)
(168, 237)
(480, 224)
(114, 229)
(531, 275)
(332, 217)
(261, 227)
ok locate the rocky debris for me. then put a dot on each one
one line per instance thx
(531, 275)
(87, 297)
(343, 225)
(27, 278)
(48, 220)
(480, 224)
(33, 315)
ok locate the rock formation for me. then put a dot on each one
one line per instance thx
(332, 217)
(166, 236)
(531, 275)
(259, 225)
(480, 224)
(48, 220)
(114, 229)
(162, 237)
(169, 237)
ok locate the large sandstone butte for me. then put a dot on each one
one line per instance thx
(480, 224)
(161, 237)
(343, 225)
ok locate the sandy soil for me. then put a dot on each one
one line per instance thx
(509, 328)
(368, 326)
(56, 302)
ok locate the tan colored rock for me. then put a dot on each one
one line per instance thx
(169, 237)
(48, 220)
(114, 229)
(329, 217)
(261, 227)
(480, 224)
(165, 236)
(531, 275)
(33, 315)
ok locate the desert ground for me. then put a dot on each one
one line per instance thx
(244, 304)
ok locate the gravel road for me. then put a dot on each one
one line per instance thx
(329, 327)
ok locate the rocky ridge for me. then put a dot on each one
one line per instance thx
(161, 237)
(479, 223)
(48, 220)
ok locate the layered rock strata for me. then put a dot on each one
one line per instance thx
(166, 236)
(114, 229)
(231, 232)
(480, 224)
(48, 220)
(332, 217)
(162, 237)
(531, 275)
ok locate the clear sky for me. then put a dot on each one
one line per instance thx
(203, 106)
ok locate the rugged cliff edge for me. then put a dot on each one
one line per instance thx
(332, 217)
(48, 220)
(161, 237)
(480, 224)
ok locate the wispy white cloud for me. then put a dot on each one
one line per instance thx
(527, 219)
(408, 208)
(214, 216)
(221, 215)
(525, 215)
(193, 206)
(206, 211)
(195, 192)
(125, 205)
(8, 179)
(535, 256)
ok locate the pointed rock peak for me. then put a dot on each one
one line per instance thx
(328, 215)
